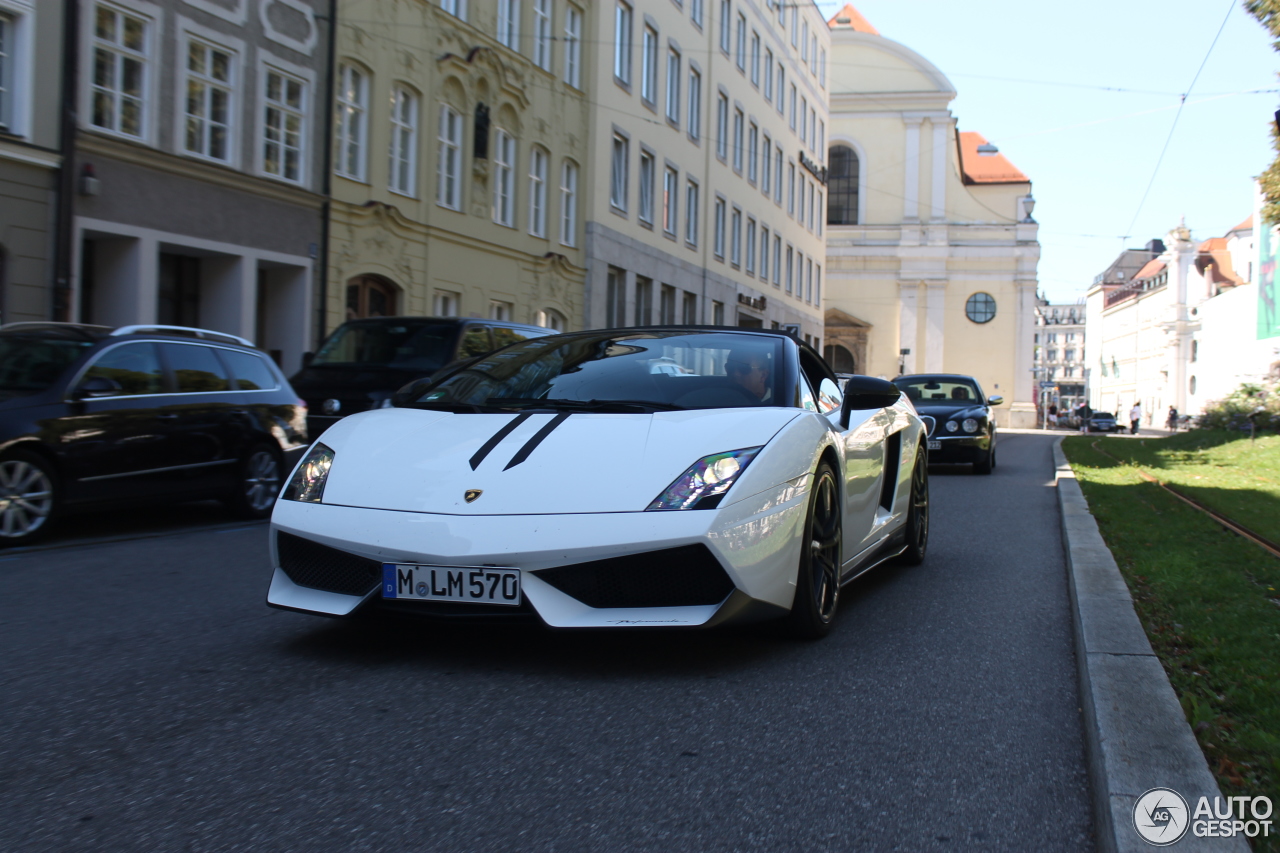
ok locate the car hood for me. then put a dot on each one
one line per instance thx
(423, 461)
(944, 411)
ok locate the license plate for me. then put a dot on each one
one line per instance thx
(475, 584)
(935, 444)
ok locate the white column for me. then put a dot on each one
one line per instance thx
(908, 325)
(939, 203)
(934, 334)
(229, 294)
(911, 164)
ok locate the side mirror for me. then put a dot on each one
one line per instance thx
(995, 400)
(98, 386)
(307, 358)
(862, 393)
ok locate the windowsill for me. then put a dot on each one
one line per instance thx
(618, 211)
(670, 235)
(645, 224)
(622, 84)
(449, 208)
(651, 106)
(402, 194)
(696, 140)
(673, 123)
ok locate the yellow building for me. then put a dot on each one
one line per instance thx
(460, 138)
(931, 249)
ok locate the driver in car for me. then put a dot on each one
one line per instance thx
(749, 371)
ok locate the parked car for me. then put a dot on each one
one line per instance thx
(1104, 422)
(959, 417)
(91, 415)
(565, 480)
(364, 362)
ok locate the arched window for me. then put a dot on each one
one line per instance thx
(842, 186)
(840, 359)
(370, 296)
(549, 318)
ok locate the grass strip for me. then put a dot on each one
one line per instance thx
(1209, 603)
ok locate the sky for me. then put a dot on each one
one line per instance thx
(1038, 80)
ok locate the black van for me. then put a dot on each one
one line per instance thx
(364, 362)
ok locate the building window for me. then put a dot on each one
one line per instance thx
(753, 151)
(349, 146)
(737, 140)
(622, 43)
(618, 173)
(735, 238)
(673, 86)
(790, 265)
(842, 186)
(804, 41)
(457, 8)
(808, 280)
(822, 68)
(777, 260)
(500, 310)
(755, 58)
(538, 192)
(504, 161)
(809, 204)
(791, 189)
(644, 301)
(282, 124)
(766, 159)
(691, 213)
(121, 72)
(792, 117)
(782, 88)
(207, 103)
(7, 118)
(695, 12)
(667, 305)
(777, 173)
(404, 140)
(695, 105)
(980, 307)
(768, 74)
(445, 304)
(649, 65)
(822, 214)
(764, 253)
(1195, 351)
(646, 187)
(724, 25)
(804, 111)
(1069, 355)
(670, 198)
(817, 284)
(718, 229)
(717, 313)
(509, 23)
(742, 42)
(722, 126)
(616, 299)
(542, 34)
(749, 251)
(795, 18)
(449, 165)
(689, 310)
(573, 47)
(569, 204)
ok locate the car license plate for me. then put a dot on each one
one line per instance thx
(935, 444)
(475, 584)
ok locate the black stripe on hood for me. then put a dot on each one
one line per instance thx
(529, 446)
(493, 442)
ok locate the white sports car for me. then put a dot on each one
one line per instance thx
(581, 480)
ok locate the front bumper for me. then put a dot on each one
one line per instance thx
(959, 448)
(756, 542)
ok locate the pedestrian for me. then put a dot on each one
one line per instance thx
(1053, 415)
(1172, 421)
(1084, 413)
(1135, 415)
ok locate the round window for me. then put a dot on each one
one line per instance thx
(980, 308)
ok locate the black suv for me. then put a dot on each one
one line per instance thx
(94, 415)
(364, 362)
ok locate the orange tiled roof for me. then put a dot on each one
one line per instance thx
(1247, 225)
(1214, 243)
(851, 18)
(992, 169)
(1150, 269)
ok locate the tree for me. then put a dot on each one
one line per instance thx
(1268, 14)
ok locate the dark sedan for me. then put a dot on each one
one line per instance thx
(958, 415)
(91, 415)
(1103, 422)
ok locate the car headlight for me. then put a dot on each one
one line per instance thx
(307, 483)
(704, 484)
(970, 425)
(952, 426)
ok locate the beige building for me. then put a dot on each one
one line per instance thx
(706, 199)
(459, 154)
(931, 248)
(1059, 362)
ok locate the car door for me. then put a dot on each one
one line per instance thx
(113, 445)
(864, 452)
(207, 423)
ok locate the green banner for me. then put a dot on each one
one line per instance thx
(1268, 287)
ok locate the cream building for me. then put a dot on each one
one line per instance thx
(459, 156)
(706, 196)
(931, 248)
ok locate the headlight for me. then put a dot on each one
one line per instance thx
(307, 483)
(952, 426)
(970, 425)
(703, 486)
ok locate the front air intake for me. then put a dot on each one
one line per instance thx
(317, 566)
(674, 577)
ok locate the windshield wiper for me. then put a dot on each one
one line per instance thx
(642, 406)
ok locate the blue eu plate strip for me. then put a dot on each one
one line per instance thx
(388, 580)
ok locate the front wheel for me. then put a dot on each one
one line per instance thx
(28, 497)
(818, 579)
(987, 463)
(918, 513)
(257, 483)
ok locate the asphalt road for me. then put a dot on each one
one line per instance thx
(150, 701)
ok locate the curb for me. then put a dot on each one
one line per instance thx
(1136, 735)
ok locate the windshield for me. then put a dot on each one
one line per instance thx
(1099, 416)
(924, 391)
(29, 365)
(405, 345)
(620, 371)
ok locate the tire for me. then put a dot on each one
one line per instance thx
(988, 463)
(918, 514)
(30, 496)
(818, 576)
(258, 477)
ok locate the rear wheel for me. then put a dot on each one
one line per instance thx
(818, 579)
(918, 513)
(28, 497)
(257, 483)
